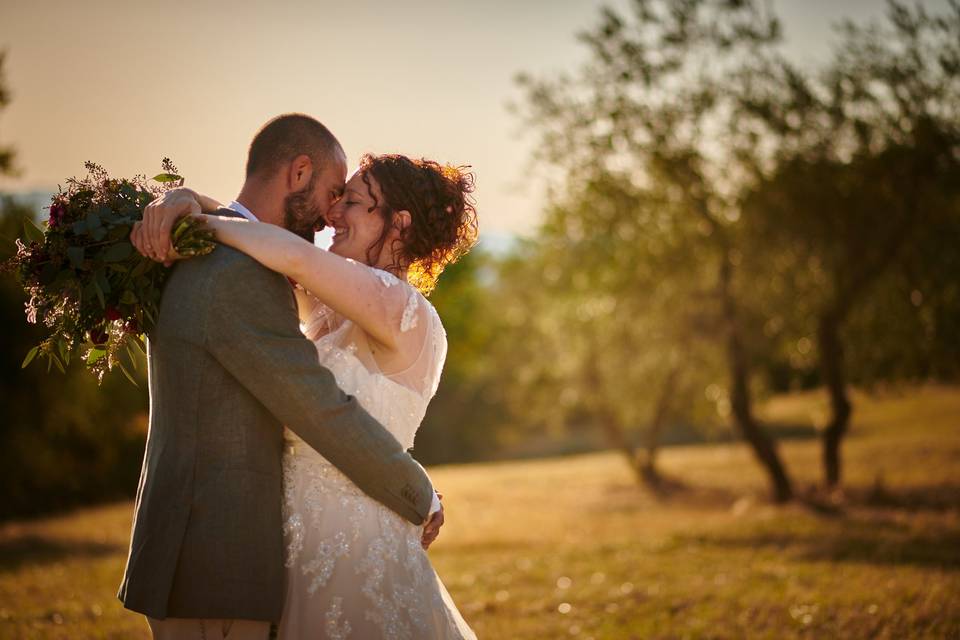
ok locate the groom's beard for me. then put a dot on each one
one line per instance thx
(299, 215)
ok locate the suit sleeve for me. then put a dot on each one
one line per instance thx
(252, 331)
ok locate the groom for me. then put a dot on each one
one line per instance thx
(228, 368)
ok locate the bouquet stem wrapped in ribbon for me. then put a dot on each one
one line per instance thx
(89, 287)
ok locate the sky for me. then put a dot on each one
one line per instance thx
(126, 83)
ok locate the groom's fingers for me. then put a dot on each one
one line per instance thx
(154, 219)
(136, 239)
(432, 529)
(163, 232)
(148, 216)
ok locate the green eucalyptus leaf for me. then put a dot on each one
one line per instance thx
(117, 252)
(32, 231)
(133, 357)
(99, 291)
(76, 256)
(167, 177)
(127, 373)
(138, 270)
(127, 190)
(57, 362)
(136, 342)
(119, 232)
(95, 354)
(101, 279)
(128, 297)
(30, 356)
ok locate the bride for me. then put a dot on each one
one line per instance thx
(355, 569)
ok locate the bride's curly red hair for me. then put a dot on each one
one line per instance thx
(443, 219)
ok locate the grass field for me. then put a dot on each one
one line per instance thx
(573, 548)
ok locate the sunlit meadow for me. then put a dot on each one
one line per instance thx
(573, 548)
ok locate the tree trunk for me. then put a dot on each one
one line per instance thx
(832, 370)
(648, 467)
(618, 439)
(849, 292)
(608, 420)
(764, 448)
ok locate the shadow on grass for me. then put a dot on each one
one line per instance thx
(668, 491)
(874, 539)
(37, 550)
(941, 497)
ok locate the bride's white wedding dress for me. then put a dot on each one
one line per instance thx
(355, 569)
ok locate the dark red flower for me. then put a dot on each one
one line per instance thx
(112, 313)
(97, 336)
(57, 212)
(131, 326)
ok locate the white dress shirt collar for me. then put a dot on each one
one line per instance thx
(242, 210)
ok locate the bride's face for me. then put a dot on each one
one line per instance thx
(357, 224)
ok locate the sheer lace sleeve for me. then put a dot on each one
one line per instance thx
(404, 317)
(316, 318)
(420, 337)
(385, 322)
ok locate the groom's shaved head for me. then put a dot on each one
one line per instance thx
(284, 138)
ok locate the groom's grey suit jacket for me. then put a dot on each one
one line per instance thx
(228, 367)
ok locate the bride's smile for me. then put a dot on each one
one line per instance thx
(359, 220)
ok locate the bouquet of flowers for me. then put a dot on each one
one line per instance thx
(87, 284)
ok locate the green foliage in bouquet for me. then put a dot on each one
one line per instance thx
(87, 284)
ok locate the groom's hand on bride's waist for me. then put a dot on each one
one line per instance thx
(431, 529)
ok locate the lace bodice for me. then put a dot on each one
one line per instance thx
(398, 396)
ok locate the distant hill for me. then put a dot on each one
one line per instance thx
(497, 243)
(37, 199)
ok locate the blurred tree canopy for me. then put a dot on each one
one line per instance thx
(7, 166)
(785, 196)
(650, 107)
(604, 318)
(465, 421)
(853, 168)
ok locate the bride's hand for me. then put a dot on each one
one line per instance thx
(151, 237)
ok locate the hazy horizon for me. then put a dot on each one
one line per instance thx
(127, 84)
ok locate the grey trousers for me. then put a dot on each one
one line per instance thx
(197, 629)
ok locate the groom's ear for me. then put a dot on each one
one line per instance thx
(299, 172)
